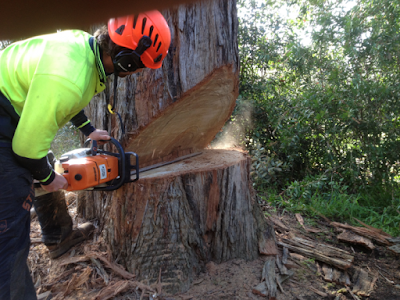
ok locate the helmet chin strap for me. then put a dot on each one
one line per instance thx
(127, 61)
(112, 107)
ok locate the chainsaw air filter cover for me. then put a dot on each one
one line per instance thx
(90, 171)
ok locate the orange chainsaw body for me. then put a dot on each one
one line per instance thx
(90, 171)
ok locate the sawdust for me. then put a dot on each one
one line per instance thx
(210, 158)
(89, 272)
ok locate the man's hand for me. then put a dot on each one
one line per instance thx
(58, 183)
(98, 135)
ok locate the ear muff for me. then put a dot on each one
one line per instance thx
(129, 60)
(125, 61)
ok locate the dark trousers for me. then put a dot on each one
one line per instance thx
(52, 212)
(53, 216)
(16, 199)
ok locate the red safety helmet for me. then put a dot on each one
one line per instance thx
(127, 32)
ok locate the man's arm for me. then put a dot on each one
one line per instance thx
(81, 121)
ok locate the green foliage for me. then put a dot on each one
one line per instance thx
(325, 113)
(318, 196)
(266, 168)
(329, 107)
(67, 139)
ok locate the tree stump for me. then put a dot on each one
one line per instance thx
(177, 218)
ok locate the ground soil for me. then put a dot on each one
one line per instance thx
(91, 278)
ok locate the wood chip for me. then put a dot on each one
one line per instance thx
(301, 221)
(113, 266)
(282, 278)
(395, 240)
(377, 230)
(332, 274)
(341, 277)
(369, 233)
(73, 260)
(186, 297)
(260, 290)
(266, 241)
(328, 272)
(297, 256)
(268, 274)
(285, 255)
(352, 294)
(100, 270)
(353, 238)
(363, 283)
(36, 241)
(278, 223)
(395, 249)
(282, 269)
(118, 287)
(322, 252)
(322, 294)
(77, 281)
(44, 296)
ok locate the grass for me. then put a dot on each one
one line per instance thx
(377, 208)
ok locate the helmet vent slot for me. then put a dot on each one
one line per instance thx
(158, 48)
(120, 29)
(144, 24)
(158, 58)
(135, 18)
(155, 40)
(151, 31)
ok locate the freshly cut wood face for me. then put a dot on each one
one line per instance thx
(189, 124)
(210, 159)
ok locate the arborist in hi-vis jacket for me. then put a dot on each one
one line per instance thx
(46, 81)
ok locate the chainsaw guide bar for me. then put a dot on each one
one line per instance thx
(39, 191)
(162, 164)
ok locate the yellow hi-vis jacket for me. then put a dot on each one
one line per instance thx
(48, 80)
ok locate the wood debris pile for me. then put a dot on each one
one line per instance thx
(89, 272)
(92, 275)
(331, 263)
(86, 272)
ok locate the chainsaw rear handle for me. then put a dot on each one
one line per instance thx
(124, 164)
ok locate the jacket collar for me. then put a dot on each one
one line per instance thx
(98, 54)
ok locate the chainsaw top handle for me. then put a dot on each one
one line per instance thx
(124, 164)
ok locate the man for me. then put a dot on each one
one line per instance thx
(45, 82)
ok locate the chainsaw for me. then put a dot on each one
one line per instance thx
(95, 169)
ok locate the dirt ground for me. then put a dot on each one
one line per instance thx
(87, 271)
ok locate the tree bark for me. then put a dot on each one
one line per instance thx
(198, 82)
(177, 218)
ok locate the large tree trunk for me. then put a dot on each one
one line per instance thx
(203, 50)
(177, 218)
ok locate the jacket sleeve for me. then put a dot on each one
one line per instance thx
(50, 102)
(81, 122)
